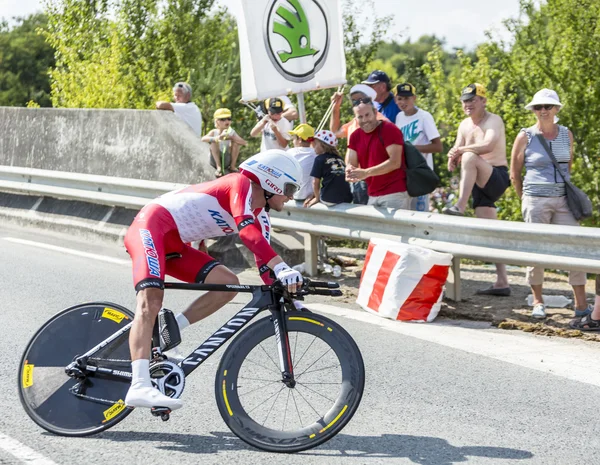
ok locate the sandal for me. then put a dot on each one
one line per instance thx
(453, 210)
(585, 323)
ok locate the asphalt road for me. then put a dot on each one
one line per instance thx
(424, 402)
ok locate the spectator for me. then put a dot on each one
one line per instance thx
(375, 154)
(302, 137)
(358, 92)
(419, 129)
(542, 191)
(274, 128)
(183, 107)
(289, 109)
(224, 143)
(480, 149)
(590, 322)
(329, 183)
(384, 100)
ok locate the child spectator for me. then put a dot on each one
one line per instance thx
(302, 138)
(329, 173)
(224, 144)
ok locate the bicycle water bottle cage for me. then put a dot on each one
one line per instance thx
(166, 333)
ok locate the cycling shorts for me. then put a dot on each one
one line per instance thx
(151, 237)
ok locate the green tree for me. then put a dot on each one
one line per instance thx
(25, 59)
(552, 45)
(362, 37)
(128, 54)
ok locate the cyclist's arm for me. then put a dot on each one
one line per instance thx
(254, 227)
(252, 235)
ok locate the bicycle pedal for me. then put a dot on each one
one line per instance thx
(162, 412)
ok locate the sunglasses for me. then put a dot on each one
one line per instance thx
(224, 119)
(543, 107)
(289, 189)
(357, 102)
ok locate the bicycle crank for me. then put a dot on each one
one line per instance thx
(168, 378)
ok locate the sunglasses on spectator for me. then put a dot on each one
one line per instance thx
(357, 102)
(544, 107)
(224, 119)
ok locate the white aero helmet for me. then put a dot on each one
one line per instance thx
(276, 172)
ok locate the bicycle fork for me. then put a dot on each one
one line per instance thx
(283, 346)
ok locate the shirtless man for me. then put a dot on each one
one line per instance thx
(480, 149)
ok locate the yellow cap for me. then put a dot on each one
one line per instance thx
(303, 131)
(222, 113)
(473, 90)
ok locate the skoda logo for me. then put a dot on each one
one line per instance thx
(296, 37)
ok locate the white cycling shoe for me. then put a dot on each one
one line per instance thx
(140, 395)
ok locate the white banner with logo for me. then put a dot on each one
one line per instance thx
(290, 46)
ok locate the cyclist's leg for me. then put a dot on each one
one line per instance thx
(196, 266)
(146, 245)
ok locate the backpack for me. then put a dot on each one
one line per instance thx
(420, 178)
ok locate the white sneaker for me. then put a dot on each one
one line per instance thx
(140, 395)
(539, 311)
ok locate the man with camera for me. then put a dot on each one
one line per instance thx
(275, 129)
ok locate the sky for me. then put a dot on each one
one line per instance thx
(461, 22)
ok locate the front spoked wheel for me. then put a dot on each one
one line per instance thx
(76, 407)
(263, 411)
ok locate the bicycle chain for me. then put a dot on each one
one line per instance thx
(96, 399)
(109, 360)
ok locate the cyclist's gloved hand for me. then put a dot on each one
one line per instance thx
(289, 277)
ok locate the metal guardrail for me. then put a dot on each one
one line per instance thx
(551, 246)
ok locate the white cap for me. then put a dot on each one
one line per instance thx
(544, 97)
(365, 89)
(327, 137)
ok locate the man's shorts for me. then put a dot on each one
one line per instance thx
(151, 237)
(493, 190)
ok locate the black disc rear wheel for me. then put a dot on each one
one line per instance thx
(46, 391)
(261, 410)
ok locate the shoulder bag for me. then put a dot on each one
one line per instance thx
(577, 200)
(420, 178)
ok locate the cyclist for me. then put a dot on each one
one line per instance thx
(237, 203)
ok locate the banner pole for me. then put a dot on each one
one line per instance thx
(301, 109)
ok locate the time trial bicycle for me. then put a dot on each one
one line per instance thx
(286, 383)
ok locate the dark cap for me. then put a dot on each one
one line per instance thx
(471, 91)
(406, 90)
(274, 105)
(377, 76)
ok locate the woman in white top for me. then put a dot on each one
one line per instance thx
(542, 191)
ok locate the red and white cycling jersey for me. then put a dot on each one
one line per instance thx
(198, 212)
(212, 209)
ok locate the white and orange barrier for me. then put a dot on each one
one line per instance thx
(403, 282)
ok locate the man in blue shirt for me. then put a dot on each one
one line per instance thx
(384, 102)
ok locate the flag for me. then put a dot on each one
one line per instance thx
(290, 46)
